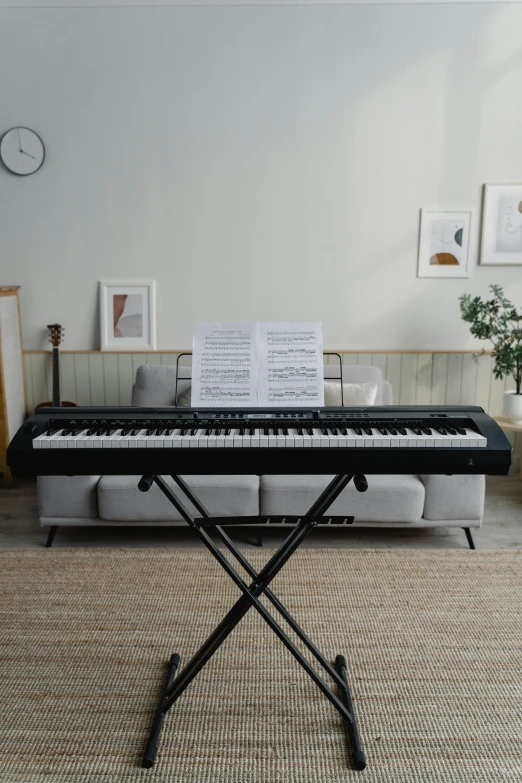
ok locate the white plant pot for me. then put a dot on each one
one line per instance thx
(513, 406)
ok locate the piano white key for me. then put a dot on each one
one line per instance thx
(290, 439)
(203, 440)
(159, 440)
(211, 440)
(316, 438)
(256, 439)
(368, 440)
(307, 439)
(263, 439)
(194, 439)
(410, 438)
(133, 439)
(54, 440)
(280, 440)
(385, 439)
(377, 437)
(63, 441)
(333, 440)
(229, 439)
(177, 439)
(272, 439)
(475, 440)
(238, 439)
(141, 440)
(357, 439)
(220, 439)
(79, 441)
(298, 440)
(185, 438)
(247, 440)
(109, 440)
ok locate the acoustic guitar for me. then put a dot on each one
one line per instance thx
(56, 333)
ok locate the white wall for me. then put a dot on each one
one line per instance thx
(259, 162)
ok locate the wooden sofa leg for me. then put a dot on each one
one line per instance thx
(50, 537)
(470, 538)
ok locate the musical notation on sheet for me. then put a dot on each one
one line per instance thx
(290, 364)
(224, 364)
(249, 364)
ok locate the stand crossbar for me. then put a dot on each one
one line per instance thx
(174, 686)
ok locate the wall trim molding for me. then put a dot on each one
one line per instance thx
(330, 350)
(73, 4)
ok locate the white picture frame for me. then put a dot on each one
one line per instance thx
(128, 315)
(444, 243)
(501, 242)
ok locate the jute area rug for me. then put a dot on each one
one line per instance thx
(433, 642)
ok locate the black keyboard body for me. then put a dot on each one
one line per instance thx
(494, 459)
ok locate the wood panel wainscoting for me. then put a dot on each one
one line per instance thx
(417, 377)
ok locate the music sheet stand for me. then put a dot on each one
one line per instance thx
(302, 525)
(325, 353)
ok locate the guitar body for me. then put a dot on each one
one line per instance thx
(55, 337)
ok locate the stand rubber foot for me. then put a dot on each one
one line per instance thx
(359, 759)
(149, 757)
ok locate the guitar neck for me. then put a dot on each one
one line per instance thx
(56, 378)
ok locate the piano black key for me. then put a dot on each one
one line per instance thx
(382, 430)
(416, 430)
(343, 431)
(460, 430)
(451, 430)
(401, 431)
(392, 430)
(440, 430)
(368, 430)
(149, 433)
(309, 431)
(357, 430)
(426, 430)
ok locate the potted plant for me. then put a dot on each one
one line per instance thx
(497, 319)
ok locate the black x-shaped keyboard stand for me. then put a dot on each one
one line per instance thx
(302, 525)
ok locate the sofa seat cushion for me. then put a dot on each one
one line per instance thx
(454, 497)
(119, 498)
(388, 498)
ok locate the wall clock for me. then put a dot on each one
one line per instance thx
(22, 151)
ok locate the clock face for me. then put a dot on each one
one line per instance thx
(22, 151)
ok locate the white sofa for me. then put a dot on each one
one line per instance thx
(391, 501)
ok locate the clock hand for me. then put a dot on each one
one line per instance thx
(27, 153)
(19, 139)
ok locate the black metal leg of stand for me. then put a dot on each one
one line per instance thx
(470, 538)
(359, 759)
(50, 537)
(250, 598)
(259, 536)
(149, 757)
(252, 573)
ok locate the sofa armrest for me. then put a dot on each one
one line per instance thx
(68, 496)
(387, 393)
(454, 497)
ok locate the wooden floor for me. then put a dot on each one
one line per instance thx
(502, 527)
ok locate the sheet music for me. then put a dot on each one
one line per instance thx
(290, 364)
(224, 364)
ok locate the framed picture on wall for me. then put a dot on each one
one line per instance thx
(502, 224)
(128, 315)
(443, 243)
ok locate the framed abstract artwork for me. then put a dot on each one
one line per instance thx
(443, 243)
(502, 224)
(128, 315)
